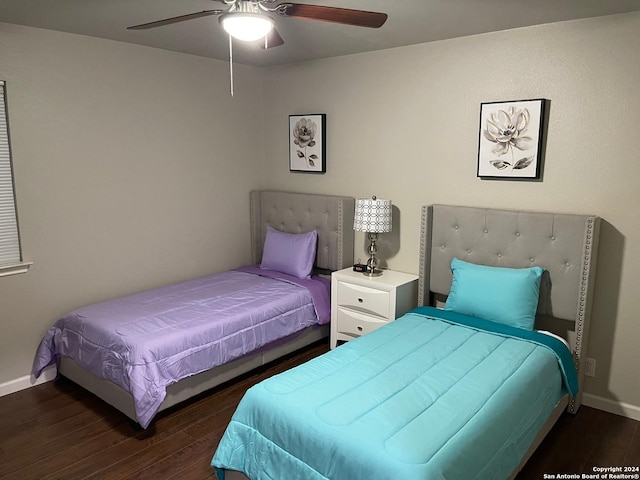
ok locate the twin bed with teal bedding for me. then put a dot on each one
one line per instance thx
(436, 394)
(425, 397)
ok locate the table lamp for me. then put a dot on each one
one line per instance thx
(372, 216)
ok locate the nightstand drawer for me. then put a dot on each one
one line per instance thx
(360, 304)
(356, 324)
(364, 299)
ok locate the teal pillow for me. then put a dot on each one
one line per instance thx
(503, 295)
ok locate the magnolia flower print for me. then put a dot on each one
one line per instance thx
(507, 130)
(304, 133)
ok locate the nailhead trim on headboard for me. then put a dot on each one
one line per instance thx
(253, 222)
(584, 302)
(339, 232)
(425, 234)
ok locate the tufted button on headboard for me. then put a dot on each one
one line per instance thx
(330, 215)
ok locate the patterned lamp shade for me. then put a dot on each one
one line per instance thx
(372, 215)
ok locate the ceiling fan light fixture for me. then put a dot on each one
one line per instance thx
(246, 26)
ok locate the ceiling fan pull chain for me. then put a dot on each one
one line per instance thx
(231, 63)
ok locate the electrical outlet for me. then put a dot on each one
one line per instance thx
(590, 367)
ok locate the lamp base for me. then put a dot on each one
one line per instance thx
(372, 263)
(372, 273)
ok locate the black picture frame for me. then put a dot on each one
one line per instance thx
(307, 143)
(510, 140)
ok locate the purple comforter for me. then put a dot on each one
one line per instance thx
(147, 341)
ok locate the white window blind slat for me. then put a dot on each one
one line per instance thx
(10, 253)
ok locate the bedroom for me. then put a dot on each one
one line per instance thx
(118, 193)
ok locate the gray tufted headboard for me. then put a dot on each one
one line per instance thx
(564, 244)
(331, 216)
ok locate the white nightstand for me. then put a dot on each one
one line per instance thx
(360, 304)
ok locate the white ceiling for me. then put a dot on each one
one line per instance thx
(410, 22)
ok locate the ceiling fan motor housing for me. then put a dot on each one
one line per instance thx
(244, 21)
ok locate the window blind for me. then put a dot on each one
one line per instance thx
(9, 239)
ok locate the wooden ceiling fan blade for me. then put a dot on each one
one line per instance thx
(347, 16)
(180, 18)
(273, 40)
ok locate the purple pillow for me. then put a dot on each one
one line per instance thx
(290, 253)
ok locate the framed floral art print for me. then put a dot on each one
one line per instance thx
(307, 143)
(510, 140)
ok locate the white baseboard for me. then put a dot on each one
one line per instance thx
(612, 406)
(27, 381)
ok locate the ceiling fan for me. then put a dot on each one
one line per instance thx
(249, 20)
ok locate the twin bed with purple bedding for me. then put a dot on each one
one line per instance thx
(150, 340)
(131, 351)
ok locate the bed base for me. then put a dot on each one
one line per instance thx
(190, 386)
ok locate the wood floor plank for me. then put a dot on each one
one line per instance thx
(196, 471)
(611, 448)
(26, 410)
(135, 465)
(585, 431)
(85, 442)
(48, 440)
(123, 458)
(47, 433)
(217, 420)
(34, 469)
(632, 457)
(198, 453)
(10, 431)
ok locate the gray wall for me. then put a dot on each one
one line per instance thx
(131, 172)
(403, 124)
(124, 153)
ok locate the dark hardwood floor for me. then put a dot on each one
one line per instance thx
(59, 431)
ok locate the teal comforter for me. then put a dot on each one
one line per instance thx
(422, 398)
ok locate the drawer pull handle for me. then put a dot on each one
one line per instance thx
(359, 328)
(360, 300)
